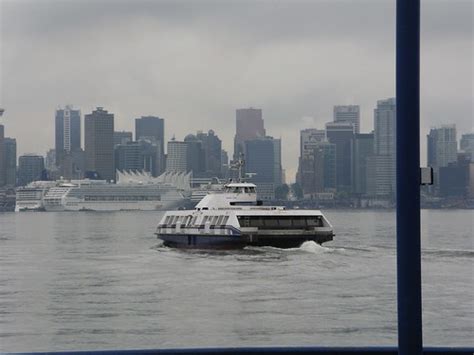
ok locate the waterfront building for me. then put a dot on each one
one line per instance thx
(348, 114)
(249, 125)
(30, 168)
(2, 156)
(384, 149)
(195, 158)
(263, 165)
(224, 164)
(441, 148)
(99, 144)
(341, 134)
(139, 155)
(152, 128)
(466, 144)
(317, 162)
(176, 159)
(122, 137)
(67, 132)
(362, 148)
(454, 179)
(212, 146)
(9, 151)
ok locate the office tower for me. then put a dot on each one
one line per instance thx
(195, 159)
(99, 144)
(467, 144)
(152, 128)
(348, 114)
(137, 156)
(362, 148)
(122, 137)
(249, 125)
(442, 148)
(263, 164)
(310, 138)
(68, 132)
(30, 168)
(212, 146)
(176, 159)
(2, 156)
(454, 179)
(225, 164)
(341, 135)
(383, 162)
(9, 149)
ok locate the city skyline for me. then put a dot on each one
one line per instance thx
(295, 61)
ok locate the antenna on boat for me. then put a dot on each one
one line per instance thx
(238, 165)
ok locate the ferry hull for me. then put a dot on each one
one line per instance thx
(237, 242)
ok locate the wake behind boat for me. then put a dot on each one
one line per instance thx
(234, 218)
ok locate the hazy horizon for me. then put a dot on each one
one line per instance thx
(194, 63)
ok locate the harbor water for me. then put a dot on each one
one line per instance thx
(77, 281)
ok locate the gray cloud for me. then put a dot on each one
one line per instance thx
(194, 62)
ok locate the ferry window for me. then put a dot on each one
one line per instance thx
(204, 220)
(299, 222)
(219, 220)
(285, 222)
(214, 220)
(224, 222)
(167, 219)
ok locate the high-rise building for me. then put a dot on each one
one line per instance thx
(195, 158)
(122, 137)
(176, 158)
(341, 134)
(249, 125)
(348, 114)
(9, 149)
(99, 144)
(310, 138)
(2, 156)
(225, 164)
(212, 146)
(30, 168)
(152, 128)
(362, 148)
(467, 144)
(263, 164)
(137, 156)
(68, 132)
(442, 148)
(385, 120)
(454, 179)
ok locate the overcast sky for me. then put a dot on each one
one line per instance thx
(194, 62)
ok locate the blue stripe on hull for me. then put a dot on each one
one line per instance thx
(202, 241)
(229, 242)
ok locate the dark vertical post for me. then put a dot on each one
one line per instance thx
(408, 177)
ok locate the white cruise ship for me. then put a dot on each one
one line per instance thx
(30, 197)
(133, 191)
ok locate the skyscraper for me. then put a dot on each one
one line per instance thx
(9, 148)
(2, 156)
(176, 159)
(362, 148)
(99, 144)
(68, 132)
(467, 144)
(382, 165)
(249, 125)
(212, 147)
(263, 163)
(341, 134)
(348, 114)
(442, 148)
(122, 137)
(30, 168)
(195, 159)
(152, 128)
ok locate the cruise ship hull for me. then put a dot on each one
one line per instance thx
(240, 241)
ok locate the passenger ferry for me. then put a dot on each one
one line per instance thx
(234, 218)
